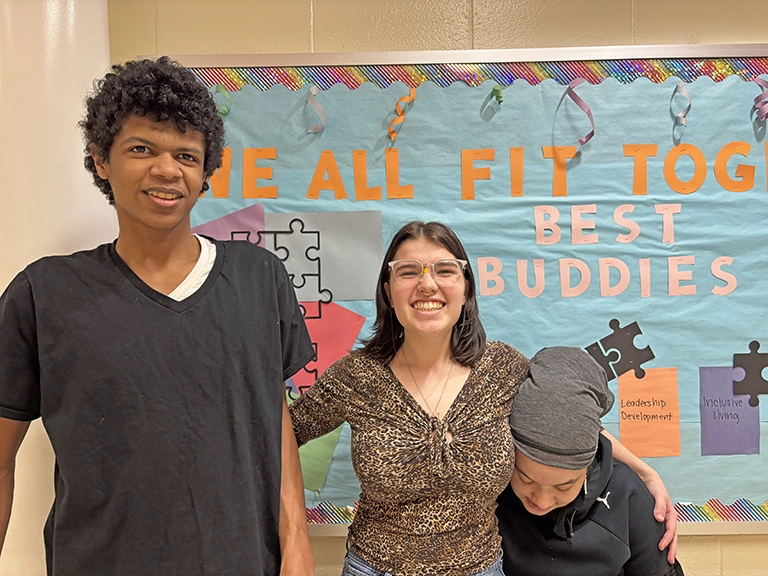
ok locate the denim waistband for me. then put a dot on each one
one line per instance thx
(356, 566)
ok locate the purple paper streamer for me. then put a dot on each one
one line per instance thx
(761, 102)
(583, 105)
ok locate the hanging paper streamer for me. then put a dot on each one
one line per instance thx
(400, 112)
(319, 110)
(761, 102)
(222, 109)
(680, 117)
(498, 93)
(583, 105)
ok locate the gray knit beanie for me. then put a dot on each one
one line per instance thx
(556, 414)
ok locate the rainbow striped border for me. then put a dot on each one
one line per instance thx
(713, 511)
(327, 513)
(412, 75)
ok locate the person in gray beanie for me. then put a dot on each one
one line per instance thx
(570, 508)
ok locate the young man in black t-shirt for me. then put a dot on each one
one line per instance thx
(156, 362)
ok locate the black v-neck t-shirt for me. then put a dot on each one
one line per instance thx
(164, 416)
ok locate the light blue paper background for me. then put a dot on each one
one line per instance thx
(685, 332)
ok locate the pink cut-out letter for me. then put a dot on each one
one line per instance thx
(605, 276)
(667, 221)
(545, 218)
(631, 225)
(566, 265)
(720, 274)
(676, 275)
(645, 277)
(578, 225)
(493, 275)
(522, 278)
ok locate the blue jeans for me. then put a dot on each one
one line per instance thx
(356, 566)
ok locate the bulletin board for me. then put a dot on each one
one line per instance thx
(613, 199)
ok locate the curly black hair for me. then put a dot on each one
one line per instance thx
(162, 90)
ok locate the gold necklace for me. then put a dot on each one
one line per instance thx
(432, 412)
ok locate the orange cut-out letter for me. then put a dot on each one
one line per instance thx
(538, 275)
(360, 171)
(486, 275)
(578, 225)
(559, 154)
(251, 173)
(640, 152)
(392, 168)
(720, 274)
(605, 276)
(220, 178)
(699, 169)
(326, 165)
(516, 168)
(566, 265)
(745, 174)
(676, 275)
(469, 173)
(545, 218)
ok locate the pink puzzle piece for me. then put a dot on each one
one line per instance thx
(245, 224)
(334, 333)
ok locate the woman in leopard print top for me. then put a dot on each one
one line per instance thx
(428, 401)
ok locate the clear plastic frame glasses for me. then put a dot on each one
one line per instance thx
(446, 272)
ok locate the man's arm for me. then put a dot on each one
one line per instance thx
(664, 510)
(296, 553)
(11, 434)
(645, 558)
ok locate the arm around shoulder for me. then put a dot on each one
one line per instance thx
(646, 559)
(12, 432)
(323, 407)
(664, 509)
(519, 364)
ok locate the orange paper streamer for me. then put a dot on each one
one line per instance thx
(400, 113)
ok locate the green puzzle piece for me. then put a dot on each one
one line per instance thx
(316, 459)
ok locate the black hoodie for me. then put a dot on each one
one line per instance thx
(613, 536)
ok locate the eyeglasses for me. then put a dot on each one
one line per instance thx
(446, 272)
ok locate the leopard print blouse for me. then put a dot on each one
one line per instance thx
(427, 504)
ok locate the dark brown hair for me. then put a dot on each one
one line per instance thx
(468, 336)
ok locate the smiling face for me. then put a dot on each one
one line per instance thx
(542, 488)
(156, 174)
(426, 308)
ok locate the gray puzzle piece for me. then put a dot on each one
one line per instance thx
(605, 360)
(298, 248)
(630, 357)
(753, 365)
(302, 245)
